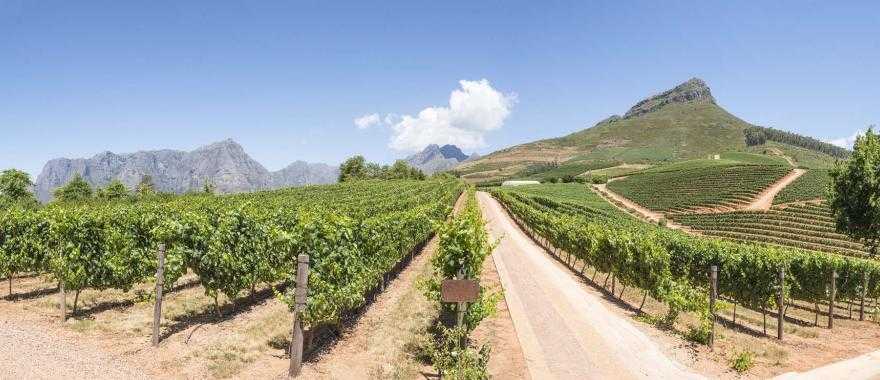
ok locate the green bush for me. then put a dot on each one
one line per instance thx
(599, 179)
(743, 361)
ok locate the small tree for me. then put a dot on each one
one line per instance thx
(854, 195)
(114, 190)
(74, 191)
(146, 186)
(352, 169)
(15, 186)
(208, 187)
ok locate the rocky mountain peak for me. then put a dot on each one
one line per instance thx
(694, 90)
(452, 151)
(225, 164)
(435, 158)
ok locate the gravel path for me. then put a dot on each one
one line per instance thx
(28, 352)
(565, 331)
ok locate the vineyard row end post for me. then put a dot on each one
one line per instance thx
(62, 300)
(713, 294)
(300, 298)
(160, 283)
(864, 293)
(780, 298)
(833, 296)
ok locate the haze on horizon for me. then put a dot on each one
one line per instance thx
(321, 82)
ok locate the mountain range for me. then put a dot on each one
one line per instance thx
(224, 164)
(435, 158)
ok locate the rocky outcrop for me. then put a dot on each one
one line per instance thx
(694, 90)
(435, 158)
(224, 164)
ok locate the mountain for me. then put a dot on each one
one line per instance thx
(435, 158)
(225, 164)
(685, 122)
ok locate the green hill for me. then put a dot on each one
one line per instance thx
(680, 124)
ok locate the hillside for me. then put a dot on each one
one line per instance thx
(682, 123)
(225, 164)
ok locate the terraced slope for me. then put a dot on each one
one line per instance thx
(697, 188)
(805, 225)
(809, 187)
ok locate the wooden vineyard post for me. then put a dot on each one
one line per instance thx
(713, 294)
(62, 301)
(780, 302)
(864, 292)
(300, 296)
(160, 283)
(833, 295)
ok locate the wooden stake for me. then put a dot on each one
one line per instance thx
(713, 294)
(160, 283)
(780, 302)
(62, 300)
(300, 298)
(864, 292)
(644, 298)
(833, 295)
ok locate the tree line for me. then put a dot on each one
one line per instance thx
(357, 168)
(759, 135)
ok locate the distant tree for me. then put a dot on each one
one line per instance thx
(74, 191)
(373, 170)
(854, 195)
(15, 185)
(146, 186)
(759, 135)
(352, 169)
(208, 187)
(755, 136)
(113, 191)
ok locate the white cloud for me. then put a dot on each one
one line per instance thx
(474, 110)
(367, 121)
(847, 142)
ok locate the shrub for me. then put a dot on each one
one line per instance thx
(743, 361)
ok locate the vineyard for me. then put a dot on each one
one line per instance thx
(698, 187)
(811, 186)
(354, 233)
(672, 267)
(569, 198)
(808, 226)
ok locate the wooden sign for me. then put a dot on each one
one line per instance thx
(459, 290)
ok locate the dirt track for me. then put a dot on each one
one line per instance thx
(765, 199)
(30, 352)
(565, 331)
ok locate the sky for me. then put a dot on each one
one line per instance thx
(321, 81)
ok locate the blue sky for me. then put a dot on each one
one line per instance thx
(286, 80)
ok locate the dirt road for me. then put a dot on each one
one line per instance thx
(565, 331)
(765, 199)
(863, 367)
(30, 352)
